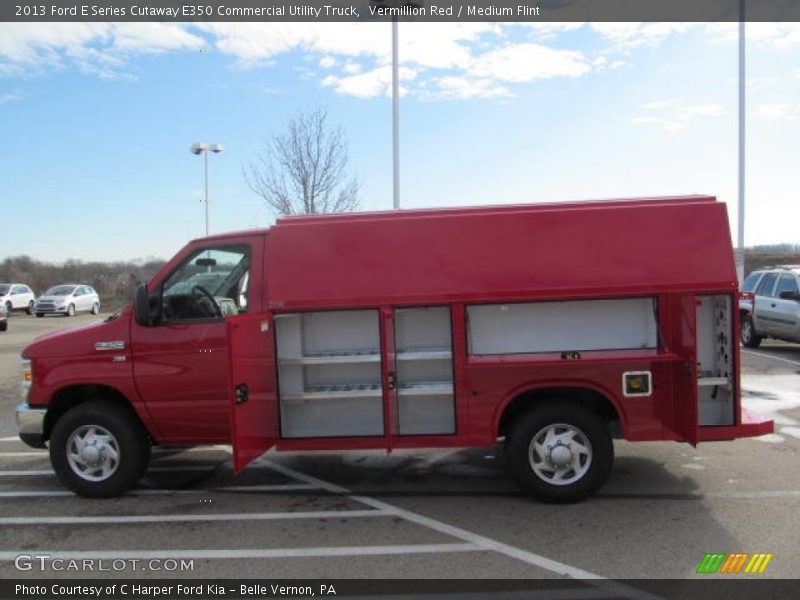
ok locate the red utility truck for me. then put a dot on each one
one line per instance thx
(554, 327)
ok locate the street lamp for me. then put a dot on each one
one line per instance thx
(204, 149)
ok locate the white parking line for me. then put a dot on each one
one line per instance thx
(42, 454)
(187, 518)
(13, 438)
(281, 487)
(483, 542)
(764, 355)
(40, 472)
(251, 552)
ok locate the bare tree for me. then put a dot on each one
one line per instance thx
(303, 170)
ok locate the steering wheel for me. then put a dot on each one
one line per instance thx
(204, 292)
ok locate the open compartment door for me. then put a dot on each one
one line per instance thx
(252, 387)
(685, 371)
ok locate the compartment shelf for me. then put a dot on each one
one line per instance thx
(426, 388)
(713, 381)
(332, 358)
(425, 354)
(345, 390)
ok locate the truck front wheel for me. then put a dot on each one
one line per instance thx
(99, 449)
(560, 452)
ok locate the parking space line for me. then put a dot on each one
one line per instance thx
(280, 487)
(333, 551)
(481, 541)
(765, 355)
(187, 518)
(12, 438)
(41, 453)
(40, 472)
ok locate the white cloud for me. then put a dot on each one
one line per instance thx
(674, 114)
(373, 83)
(627, 36)
(11, 97)
(326, 62)
(528, 62)
(95, 48)
(777, 111)
(452, 87)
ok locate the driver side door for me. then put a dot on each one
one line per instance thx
(181, 362)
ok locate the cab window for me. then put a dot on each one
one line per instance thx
(209, 284)
(750, 283)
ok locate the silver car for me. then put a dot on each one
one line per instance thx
(769, 305)
(17, 296)
(68, 299)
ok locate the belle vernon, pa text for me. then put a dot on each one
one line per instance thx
(171, 591)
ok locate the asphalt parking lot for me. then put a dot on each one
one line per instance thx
(416, 514)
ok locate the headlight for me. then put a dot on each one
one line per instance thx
(27, 375)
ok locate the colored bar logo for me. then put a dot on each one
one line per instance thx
(734, 563)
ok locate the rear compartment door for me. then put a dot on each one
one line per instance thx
(252, 387)
(685, 371)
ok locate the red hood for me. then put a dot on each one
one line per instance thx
(80, 340)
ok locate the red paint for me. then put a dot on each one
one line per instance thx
(181, 378)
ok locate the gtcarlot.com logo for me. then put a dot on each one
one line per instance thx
(45, 562)
(734, 563)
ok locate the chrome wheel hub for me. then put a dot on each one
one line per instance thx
(93, 453)
(560, 454)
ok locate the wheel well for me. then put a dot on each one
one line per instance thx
(584, 397)
(70, 397)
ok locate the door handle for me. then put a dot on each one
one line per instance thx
(772, 305)
(241, 393)
(391, 380)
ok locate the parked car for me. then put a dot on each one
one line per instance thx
(3, 321)
(68, 299)
(769, 305)
(17, 296)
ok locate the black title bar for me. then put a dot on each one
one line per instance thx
(402, 10)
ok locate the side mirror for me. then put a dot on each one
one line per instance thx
(141, 306)
(790, 296)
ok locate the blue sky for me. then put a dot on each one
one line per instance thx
(97, 120)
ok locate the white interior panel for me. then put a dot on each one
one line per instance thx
(714, 360)
(340, 330)
(331, 417)
(559, 326)
(421, 415)
(422, 328)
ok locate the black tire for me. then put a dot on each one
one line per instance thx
(3, 325)
(750, 337)
(39, 314)
(30, 308)
(70, 310)
(130, 441)
(579, 426)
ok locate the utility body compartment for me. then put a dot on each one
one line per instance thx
(435, 328)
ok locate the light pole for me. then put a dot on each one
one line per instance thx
(742, 88)
(204, 149)
(395, 116)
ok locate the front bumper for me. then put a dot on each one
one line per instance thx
(31, 425)
(50, 310)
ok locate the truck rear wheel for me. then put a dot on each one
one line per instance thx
(750, 338)
(99, 449)
(560, 452)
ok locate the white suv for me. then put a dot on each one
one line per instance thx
(769, 305)
(17, 296)
(68, 300)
